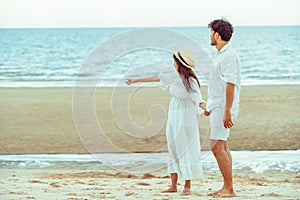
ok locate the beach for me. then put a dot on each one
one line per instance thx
(79, 184)
(40, 121)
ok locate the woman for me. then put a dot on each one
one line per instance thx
(182, 126)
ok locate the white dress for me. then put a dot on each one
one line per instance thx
(182, 126)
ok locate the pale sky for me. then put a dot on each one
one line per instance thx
(145, 13)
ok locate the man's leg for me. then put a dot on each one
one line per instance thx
(222, 154)
(230, 158)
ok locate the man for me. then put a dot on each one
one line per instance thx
(223, 100)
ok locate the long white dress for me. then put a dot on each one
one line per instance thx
(182, 126)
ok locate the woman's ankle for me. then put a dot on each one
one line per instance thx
(187, 185)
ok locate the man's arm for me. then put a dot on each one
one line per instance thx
(227, 120)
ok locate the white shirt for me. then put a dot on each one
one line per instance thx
(227, 70)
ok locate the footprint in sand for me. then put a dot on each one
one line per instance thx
(35, 181)
(72, 194)
(143, 184)
(95, 188)
(261, 184)
(104, 193)
(271, 195)
(163, 197)
(129, 194)
(147, 175)
(54, 184)
(19, 193)
(79, 182)
(93, 182)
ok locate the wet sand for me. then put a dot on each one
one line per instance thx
(40, 120)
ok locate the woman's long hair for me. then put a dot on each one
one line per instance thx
(185, 74)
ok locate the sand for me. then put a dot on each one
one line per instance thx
(40, 120)
(78, 183)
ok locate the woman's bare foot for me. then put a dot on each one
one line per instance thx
(170, 190)
(223, 193)
(186, 191)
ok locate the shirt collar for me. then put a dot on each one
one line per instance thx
(225, 47)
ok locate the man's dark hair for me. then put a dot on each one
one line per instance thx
(223, 27)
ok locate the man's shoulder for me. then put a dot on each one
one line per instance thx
(231, 56)
(231, 51)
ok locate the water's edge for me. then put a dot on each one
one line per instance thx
(255, 161)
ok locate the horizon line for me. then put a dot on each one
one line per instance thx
(96, 27)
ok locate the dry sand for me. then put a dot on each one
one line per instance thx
(80, 184)
(40, 120)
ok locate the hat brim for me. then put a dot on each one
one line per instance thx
(175, 53)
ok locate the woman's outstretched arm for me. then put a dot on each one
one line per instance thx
(139, 80)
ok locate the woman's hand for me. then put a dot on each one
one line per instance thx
(203, 106)
(130, 81)
(142, 80)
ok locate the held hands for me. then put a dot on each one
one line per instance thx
(203, 106)
(227, 120)
(206, 113)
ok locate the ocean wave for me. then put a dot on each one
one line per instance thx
(255, 161)
(55, 56)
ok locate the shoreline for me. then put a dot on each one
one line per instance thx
(261, 161)
(143, 152)
(269, 119)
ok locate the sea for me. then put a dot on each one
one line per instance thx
(55, 57)
(247, 161)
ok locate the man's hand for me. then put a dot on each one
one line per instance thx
(227, 120)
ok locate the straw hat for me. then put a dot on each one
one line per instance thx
(186, 58)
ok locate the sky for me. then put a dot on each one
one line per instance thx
(145, 13)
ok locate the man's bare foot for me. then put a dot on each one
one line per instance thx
(170, 190)
(212, 194)
(186, 191)
(223, 193)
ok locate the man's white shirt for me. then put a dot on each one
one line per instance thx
(227, 70)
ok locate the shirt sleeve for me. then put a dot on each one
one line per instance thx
(230, 69)
(166, 79)
(196, 95)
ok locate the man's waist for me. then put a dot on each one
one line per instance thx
(220, 102)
